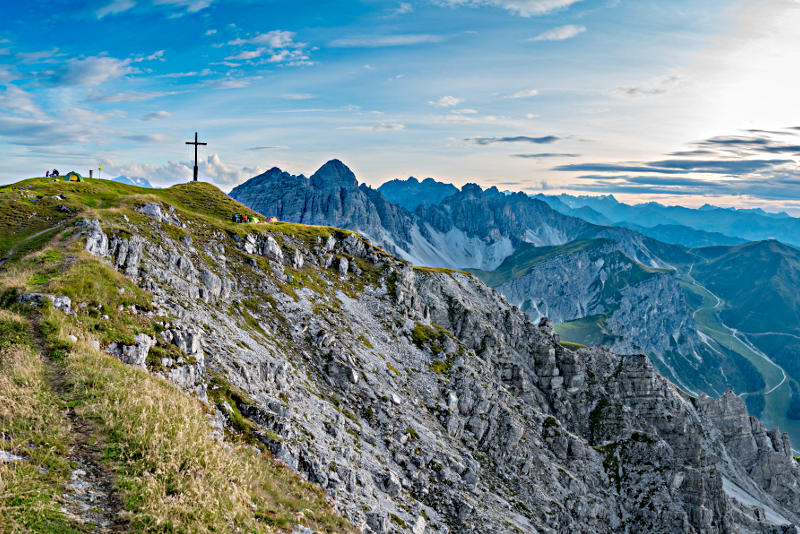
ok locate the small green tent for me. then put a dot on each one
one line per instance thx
(73, 176)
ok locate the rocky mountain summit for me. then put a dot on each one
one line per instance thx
(471, 228)
(423, 401)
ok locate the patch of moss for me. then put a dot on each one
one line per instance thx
(393, 369)
(572, 346)
(433, 336)
(397, 521)
(441, 367)
(365, 341)
(220, 391)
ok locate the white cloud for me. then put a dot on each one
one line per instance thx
(204, 72)
(91, 71)
(128, 96)
(526, 93)
(191, 6)
(247, 54)
(403, 9)
(297, 96)
(157, 115)
(46, 56)
(382, 127)
(376, 41)
(465, 111)
(18, 101)
(115, 7)
(146, 138)
(158, 55)
(446, 102)
(653, 87)
(523, 8)
(212, 168)
(211, 32)
(279, 47)
(560, 33)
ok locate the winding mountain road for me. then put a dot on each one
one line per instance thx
(736, 333)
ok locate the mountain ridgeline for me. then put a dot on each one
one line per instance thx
(176, 360)
(560, 256)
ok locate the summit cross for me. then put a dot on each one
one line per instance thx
(195, 143)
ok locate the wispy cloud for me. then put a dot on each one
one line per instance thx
(445, 102)
(403, 8)
(146, 138)
(156, 115)
(155, 56)
(525, 93)
(561, 33)
(298, 96)
(377, 41)
(115, 7)
(128, 96)
(90, 71)
(523, 8)
(279, 46)
(257, 148)
(544, 155)
(382, 127)
(652, 87)
(191, 6)
(545, 140)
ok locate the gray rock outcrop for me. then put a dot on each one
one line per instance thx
(423, 401)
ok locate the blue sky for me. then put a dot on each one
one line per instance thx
(678, 101)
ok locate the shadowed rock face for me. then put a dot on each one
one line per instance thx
(423, 401)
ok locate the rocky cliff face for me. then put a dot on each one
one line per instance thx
(423, 401)
(412, 193)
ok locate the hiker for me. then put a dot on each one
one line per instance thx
(47, 174)
(55, 172)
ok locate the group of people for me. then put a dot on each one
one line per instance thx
(48, 174)
(237, 218)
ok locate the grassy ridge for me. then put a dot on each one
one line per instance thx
(171, 473)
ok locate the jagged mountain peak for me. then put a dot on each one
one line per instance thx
(334, 174)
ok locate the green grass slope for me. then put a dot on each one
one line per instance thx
(64, 402)
(758, 283)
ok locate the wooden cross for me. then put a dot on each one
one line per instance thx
(195, 143)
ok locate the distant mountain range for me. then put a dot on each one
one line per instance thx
(132, 180)
(716, 225)
(698, 300)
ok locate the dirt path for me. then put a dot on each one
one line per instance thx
(89, 497)
(13, 249)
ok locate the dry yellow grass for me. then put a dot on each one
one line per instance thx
(173, 475)
(32, 425)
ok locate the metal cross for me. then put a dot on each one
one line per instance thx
(195, 143)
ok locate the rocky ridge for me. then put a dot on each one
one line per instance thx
(423, 401)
